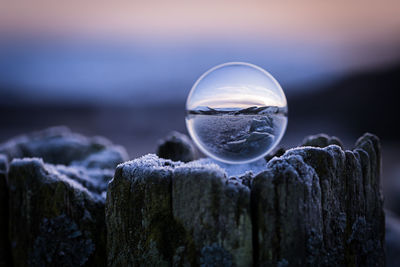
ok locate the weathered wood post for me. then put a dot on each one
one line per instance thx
(311, 206)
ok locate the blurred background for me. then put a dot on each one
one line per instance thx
(123, 69)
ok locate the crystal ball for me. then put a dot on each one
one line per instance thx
(236, 113)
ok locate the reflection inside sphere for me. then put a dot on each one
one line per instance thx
(236, 113)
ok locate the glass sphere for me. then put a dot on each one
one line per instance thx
(236, 112)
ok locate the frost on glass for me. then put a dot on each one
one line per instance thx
(236, 113)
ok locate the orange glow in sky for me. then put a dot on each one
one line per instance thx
(304, 21)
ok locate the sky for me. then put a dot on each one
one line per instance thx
(235, 85)
(323, 21)
(130, 50)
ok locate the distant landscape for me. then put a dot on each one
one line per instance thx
(237, 111)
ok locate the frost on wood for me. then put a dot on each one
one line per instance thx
(321, 206)
(56, 211)
(54, 220)
(314, 205)
(58, 145)
(311, 205)
(166, 225)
